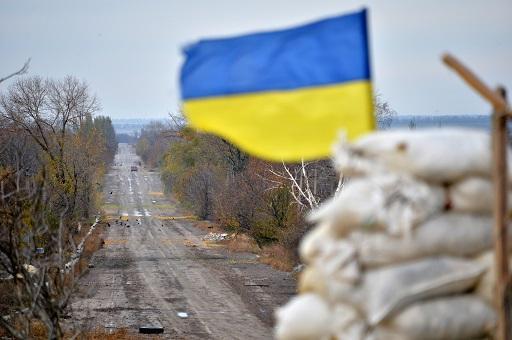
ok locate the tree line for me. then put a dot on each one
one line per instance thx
(53, 154)
(219, 182)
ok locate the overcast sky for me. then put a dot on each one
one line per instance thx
(129, 52)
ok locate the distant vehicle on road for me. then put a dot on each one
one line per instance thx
(134, 168)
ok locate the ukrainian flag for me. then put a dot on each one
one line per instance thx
(283, 95)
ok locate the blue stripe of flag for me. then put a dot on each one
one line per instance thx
(329, 51)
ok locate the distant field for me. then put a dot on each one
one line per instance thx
(422, 121)
(131, 126)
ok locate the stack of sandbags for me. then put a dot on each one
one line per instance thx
(404, 250)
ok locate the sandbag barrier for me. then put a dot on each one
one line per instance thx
(404, 251)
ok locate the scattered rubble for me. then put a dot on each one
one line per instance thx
(111, 324)
(217, 237)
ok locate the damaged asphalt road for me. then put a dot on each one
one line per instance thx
(159, 270)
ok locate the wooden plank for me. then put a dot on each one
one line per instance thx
(497, 101)
(500, 181)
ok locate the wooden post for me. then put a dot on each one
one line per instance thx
(494, 98)
(499, 174)
(499, 136)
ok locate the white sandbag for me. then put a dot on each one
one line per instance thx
(358, 205)
(447, 318)
(314, 280)
(351, 162)
(389, 289)
(336, 257)
(314, 241)
(339, 260)
(437, 155)
(455, 234)
(347, 323)
(386, 290)
(304, 317)
(394, 203)
(473, 194)
(384, 333)
(486, 287)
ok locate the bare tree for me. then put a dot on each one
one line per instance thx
(20, 72)
(40, 287)
(384, 113)
(305, 179)
(49, 160)
(310, 182)
(49, 111)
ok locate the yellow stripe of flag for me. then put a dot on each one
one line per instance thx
(263, 123)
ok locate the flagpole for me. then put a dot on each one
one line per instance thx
(499, 175)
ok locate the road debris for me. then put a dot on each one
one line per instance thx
(151, 329)
(111, 324)
(182, 315)
(189, 243)
(216, 237)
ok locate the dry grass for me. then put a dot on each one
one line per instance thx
(207, 225)
(189, 243)
(114, 242)
(278, 257)
(243, 243)
(156, 193)
(92, 244)
(123, 333)
(38, 330)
